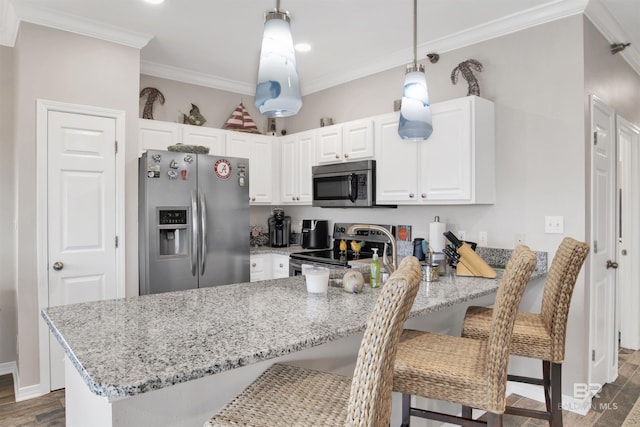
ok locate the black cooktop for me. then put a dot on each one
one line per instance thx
(330, 256)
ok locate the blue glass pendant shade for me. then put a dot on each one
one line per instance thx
(415, 112)
(278, 88)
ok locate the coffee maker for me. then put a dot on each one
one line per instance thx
(279, 229)
(315, 234)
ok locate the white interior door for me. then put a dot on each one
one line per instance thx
(81, 208)
(603, 343)
(629, 206)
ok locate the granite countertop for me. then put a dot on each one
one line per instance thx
(286, 250)
(134, 345)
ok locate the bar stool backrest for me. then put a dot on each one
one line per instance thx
(370, 398)
(514, 279)
(558, 289)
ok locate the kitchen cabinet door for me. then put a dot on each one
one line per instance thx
(157, 135)
(357, 140)
(329, 144)
(212, 138)
(396, 163)
(345, 142)
(457, 162)
(296, 160)
(259, 267)
(454, 166)
(279, 266)
(259, 150)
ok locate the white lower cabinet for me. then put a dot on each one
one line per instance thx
(258, 267)
(279, 266)
(268, 266)
(454, 166)
(297, 154)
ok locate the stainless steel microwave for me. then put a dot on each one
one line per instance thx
(345, 185)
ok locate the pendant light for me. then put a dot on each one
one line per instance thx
(278, 88)
(415, 111)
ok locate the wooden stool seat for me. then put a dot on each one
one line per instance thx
(463, 370)
(286, 395)
(540, 335)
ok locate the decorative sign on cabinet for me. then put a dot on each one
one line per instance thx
(454, 166)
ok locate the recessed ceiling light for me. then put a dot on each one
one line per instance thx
(303, 47)
(154, 1)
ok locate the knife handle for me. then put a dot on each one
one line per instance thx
(452, 238)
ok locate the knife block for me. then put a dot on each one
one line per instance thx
(470, 264)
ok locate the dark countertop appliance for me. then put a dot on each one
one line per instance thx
(336, 258)
(279, 229)
(315, 234)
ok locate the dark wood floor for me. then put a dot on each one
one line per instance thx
(608, 410)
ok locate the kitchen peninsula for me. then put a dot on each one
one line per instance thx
(174, 359)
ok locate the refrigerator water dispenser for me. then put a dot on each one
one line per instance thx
(172, 231)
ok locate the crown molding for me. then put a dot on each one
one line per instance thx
(83, 26)
(8, 24)
(609, 27)
(197, 78)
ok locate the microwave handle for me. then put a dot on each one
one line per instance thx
(353, 187)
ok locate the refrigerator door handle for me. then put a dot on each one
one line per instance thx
(193, 253)
(203, 232)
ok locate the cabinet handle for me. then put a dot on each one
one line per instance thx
(346, 155)
(293, 198)
(337, 156)
(411, 195)
(281, 265)
(297, 198)
(253, 199)
(253, 265)
(424, 196)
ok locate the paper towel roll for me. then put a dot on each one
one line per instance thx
(437, 241)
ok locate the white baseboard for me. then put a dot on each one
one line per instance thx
(21, 393)
(530, 391)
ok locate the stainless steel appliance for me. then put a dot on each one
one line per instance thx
(345, 185)
(315, 234)
(337, 258)
(279, 229)
(193, 221)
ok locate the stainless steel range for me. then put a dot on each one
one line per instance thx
(337, 258)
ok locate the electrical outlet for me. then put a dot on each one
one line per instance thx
(554, 224)
(483, 237)
(462, 234)
(519, 239)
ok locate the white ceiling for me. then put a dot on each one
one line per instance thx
(217, 43)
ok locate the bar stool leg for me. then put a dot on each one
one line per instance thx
(546, 383)
(467, 412)
(494, 420)
(556, 394)
(406, 409)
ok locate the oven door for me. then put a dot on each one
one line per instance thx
(343, 189)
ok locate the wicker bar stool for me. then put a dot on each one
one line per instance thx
(542, 335)
(463, 370)
(286, 395)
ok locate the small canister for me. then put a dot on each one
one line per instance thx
(430, 272)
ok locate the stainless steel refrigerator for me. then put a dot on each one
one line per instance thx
(193, 221)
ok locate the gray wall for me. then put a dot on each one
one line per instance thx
(8, 327)
(61, 66)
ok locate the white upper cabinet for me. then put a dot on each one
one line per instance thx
(156, 135)
(259, 150)
(454, 166)
(297, 152)
(212, 138)
(345, 142)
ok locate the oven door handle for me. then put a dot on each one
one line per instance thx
(353, 187)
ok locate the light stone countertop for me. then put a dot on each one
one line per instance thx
(134, 345)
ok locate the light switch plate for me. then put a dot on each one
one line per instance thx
(554, 224)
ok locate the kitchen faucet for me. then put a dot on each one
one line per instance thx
(391, 267)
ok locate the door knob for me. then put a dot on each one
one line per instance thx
(610, 264)
(57, 266)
